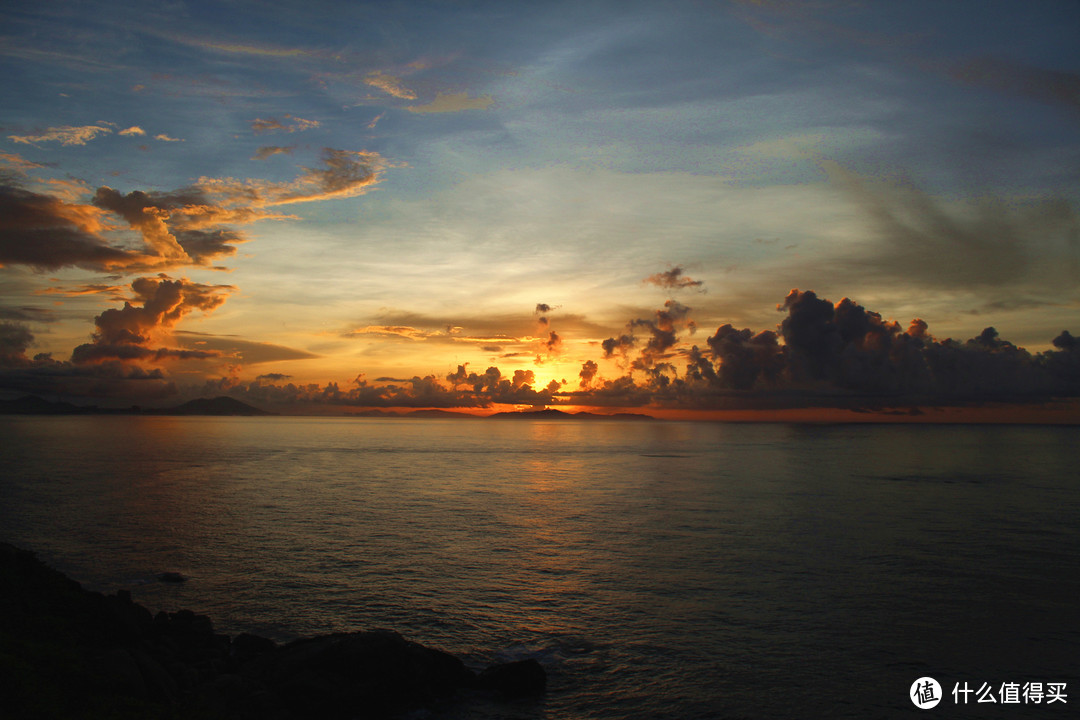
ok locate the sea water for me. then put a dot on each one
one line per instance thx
(656, 569)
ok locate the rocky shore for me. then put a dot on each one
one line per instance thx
(66, 652)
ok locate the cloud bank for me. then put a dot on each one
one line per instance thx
(821, 355)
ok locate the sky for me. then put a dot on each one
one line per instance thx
(752, 204)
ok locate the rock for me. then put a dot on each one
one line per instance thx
(378, 672)
(171, 577)
(67, 652)
(521, 678)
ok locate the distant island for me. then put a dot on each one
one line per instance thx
(227, 406)
(449, 414)
(220, 406)
(560, 415)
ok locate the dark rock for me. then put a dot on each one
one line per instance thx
(333, 675)
(172, 577)
(521, 678)
(246, 647)
(67, 652)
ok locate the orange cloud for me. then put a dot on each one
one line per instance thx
(344, 173)
(157, 305)
(260, 125)
(66, 135)
(389, 84)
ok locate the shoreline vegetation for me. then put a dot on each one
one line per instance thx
(69, 652)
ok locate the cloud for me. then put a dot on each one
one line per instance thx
(542, 310)
(825, 354)
(295, 124)
(930, 242)
(453, 102)
(165, 138)
(663, 331)
(127, 333)
(1050, 87)
(15, 338)
(343, 174)
(18, 163)
(114, 291)
(110, 380)
(47, 233)
(390, 85)
(459, 389)
(133, 130)
(182, 227)
(589, 368)
(66, 135)
(238, 349)
(673, 279)
(271, 150)
(27, 314)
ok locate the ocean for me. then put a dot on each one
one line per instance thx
(656, 569)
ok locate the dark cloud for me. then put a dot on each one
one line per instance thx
(26, 314)
(46, 233)
(239, 349)
(745, 359)
(176, 229)
(542, 309)
(826, 354)
(617, 345)
(1052, 87)
(673, 279)
(663, 331)
(15, 338)
(588, 371)
(111, 380)
(172, 224)
(459, 389)
(929, 242)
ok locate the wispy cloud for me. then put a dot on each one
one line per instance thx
(65, 135)
(271, 150)
(294, 124)
(453, 102)
(344, 173)
(390, 85)
(1051, 87)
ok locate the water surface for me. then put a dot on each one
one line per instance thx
(657, 569)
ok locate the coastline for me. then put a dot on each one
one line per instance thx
(66, 652)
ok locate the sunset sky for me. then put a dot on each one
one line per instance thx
(376, 204)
